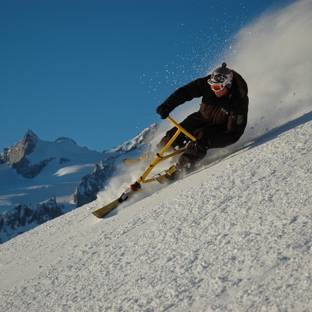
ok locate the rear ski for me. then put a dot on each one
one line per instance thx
(130, 162)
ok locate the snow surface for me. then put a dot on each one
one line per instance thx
(234, 236)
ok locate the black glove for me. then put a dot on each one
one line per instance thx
(163, 110)
(202, 144)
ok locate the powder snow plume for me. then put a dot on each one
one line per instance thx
(274, 56)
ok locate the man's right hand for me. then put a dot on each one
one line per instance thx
(202, 144)
(163, 110)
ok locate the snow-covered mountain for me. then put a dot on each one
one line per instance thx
(42, 180)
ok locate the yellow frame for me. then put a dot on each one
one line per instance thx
(159, 158)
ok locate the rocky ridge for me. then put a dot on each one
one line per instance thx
(16, 156)
(24, 217)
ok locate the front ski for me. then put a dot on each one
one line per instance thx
(105, 210)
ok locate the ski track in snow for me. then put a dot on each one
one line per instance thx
(234, 236)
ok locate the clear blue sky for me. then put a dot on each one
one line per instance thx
(95, 71)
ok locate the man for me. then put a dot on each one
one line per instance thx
(220, 121)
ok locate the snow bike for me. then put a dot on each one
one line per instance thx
(136, 186)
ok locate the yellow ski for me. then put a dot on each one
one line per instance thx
(135, 161)
(105, 210)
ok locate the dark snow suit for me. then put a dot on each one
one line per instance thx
(221, 120)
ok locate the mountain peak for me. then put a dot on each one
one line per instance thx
(29, 141)
(143, 137)
(30, 133)
(24, 147)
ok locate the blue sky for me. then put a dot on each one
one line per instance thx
(95, 71)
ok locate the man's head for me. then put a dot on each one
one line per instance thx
(221, 78)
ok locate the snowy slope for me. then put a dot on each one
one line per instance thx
(234, 236)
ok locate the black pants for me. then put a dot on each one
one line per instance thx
(198, 126)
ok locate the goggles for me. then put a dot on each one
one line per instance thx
(218, 86)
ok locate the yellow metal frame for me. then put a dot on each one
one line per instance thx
(159, 158)
(103, 211)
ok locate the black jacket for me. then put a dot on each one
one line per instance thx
(230, 110)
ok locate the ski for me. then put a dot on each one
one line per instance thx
(135, 161)
(167, 175)
(105, 210)
(145, 157)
